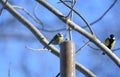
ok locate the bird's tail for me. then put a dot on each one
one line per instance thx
(46, 46)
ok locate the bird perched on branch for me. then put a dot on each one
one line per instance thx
(57, 39)
(110, 42)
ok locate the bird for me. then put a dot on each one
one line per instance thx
(57, 39)
(110, 42)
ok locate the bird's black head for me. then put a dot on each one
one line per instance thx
(112, 36)
(60, 34)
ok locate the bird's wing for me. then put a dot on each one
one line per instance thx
(50, 41)
(55, 40)
(113, 44)
(107, 42)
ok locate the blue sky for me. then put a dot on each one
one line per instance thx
(26, 63)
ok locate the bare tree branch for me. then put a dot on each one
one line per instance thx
(102, 14)
(71, 17)
(79, 16)
(92, 23)
(100, 49)
(41, 38)
(34, 18)
(83, 47)
(3, 7)
(72, 6)
(34, 12)
(81, 31)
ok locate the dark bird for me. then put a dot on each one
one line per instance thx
(110, 42)
(57, 39)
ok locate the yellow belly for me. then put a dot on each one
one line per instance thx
(58, 40)
(113, 44)
(107, 43)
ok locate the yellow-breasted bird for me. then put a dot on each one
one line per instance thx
(110, 42)
(57, 39)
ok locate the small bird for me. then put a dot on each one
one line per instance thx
(110, 42)
(57, 39)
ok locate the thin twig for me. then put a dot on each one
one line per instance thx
(28, 13)
(71, 17)
(70, 14)
(102, 14)
(82, 47)
(94, 48)
(66, 1)
(79, 16)
(9, 69)
(116, 49)
(3, 7)
(34, 49)
(72, 6)
(57, 30)
(34, 12)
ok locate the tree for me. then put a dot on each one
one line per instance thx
(89, 35)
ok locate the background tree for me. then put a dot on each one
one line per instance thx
(25, 63)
